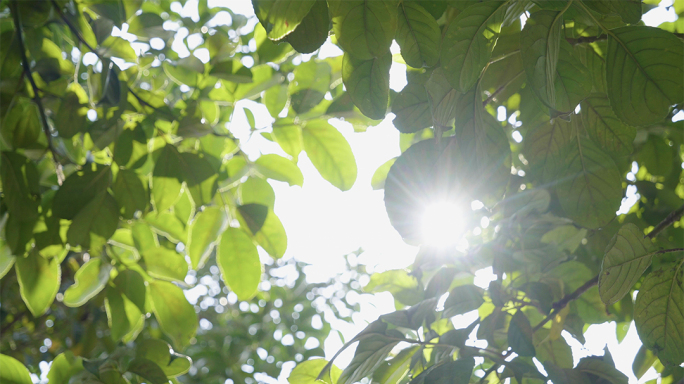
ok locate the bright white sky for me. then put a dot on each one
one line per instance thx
(323, 224)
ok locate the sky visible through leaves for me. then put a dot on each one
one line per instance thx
(323, 223)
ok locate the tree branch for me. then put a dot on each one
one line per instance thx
(591, 39)
(36, 97)
(669, 220)
(560, 304)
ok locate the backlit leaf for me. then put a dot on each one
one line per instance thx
(175, 315)
(204, 232)
(281, 17)
(627, 256)
(604, 127)
(312, 32)
(279, 168)
(641, 85)
(364, 29)
(659, 313)
(166, 178)
(13, 372)
(306, 372)
(95, 223)
(367, 82)
(330, 153)
(418, 35)
(130, 193)
(238, 260)
(89, 280)
(39, 281)
(165, 264)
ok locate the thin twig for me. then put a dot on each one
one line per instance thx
(560, 304)
(501, 88)
(591, 39)
(669, 220)
(36, 96)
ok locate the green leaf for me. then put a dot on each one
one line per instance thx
(19, 183)
(279, 168)
(165, 264)
(628, 10)
(380, 175)
(159, 352)
(13, 372)
(601, 369)
(364, 29)
(200, 177)
(462, 299)
(312, 32)
(411, 107)
(272, 237)
(6, 258)
(641, 85)
(330, 153)
(590, 187)
(370, 354)
(604, 127)
(281, 17)
(148, 370)
(659, 313)
(275, 99)
(394, 370)
(442, 98)
(289, 136)
(256, 190)
(79, 189)
(129, 193)
(468, 43)
(367, 82)
(186, 71)
(643, 361)
(656, 155)
(543, 148)
(238, 260)
(175, 315)
(627, 256)
(125, 319)
(167, 178)
(89, 280)
(95, 223)
(540, 42)
(520, 335)
(452, 372)
(132, 285)
(306, 372)
(63, 367)
(418, 35)
(204, 232)
(168, 225)
(556, 351)
(21, 125)
(231, 70)
(253, 216)
(39, 281)
(70, 118)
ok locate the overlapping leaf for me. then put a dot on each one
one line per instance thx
(418, 35)
(367, 82)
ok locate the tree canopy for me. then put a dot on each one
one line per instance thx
(123, 185)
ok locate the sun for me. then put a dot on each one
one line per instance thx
(442, 224)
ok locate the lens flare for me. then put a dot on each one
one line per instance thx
(442, 224)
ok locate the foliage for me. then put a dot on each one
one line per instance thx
(121, 175)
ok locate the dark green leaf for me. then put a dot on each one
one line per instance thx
(367, 82)
(312, 32)
(468, 43)
(369, 355)
(520, 335)
(462, 299)
(659, 313)
(79, 189)
(418, 35)
(411, 108)
(95, 223)
(452, 372)
(281, 17)
(641, 85)
(19, 180)
(148, 370)
(364, 29)
(604, 127)
(601, 369)
(130, 193)
(656, 155)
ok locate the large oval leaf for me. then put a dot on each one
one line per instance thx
(468, 42)
(175, 315)
(418, 35)
(312, 32)
(89, 280)
(204, 232)
(279, 168)
(604, 127)
(627, 257)
(589, 187)
(330, 153)
(130, 193)
(167, 178)
(238, 260)
(18, 177)
(544, 145)
(364, 28)
(367, 82)
(39, 281)
(95, 223)
(165, 264)
(659, 313)
(642, 85)
(13, 372)
(280, 17)
(411, 107)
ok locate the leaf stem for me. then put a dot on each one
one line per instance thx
(501, 89)
(560, 304)
(669, 220)
(36, 97)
